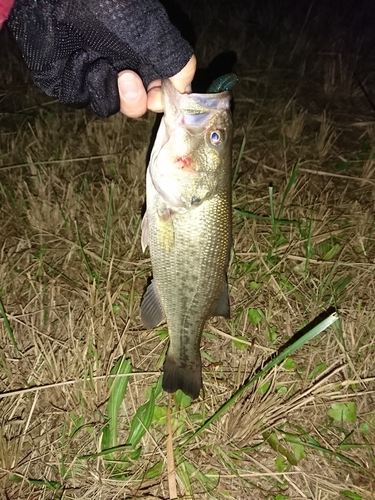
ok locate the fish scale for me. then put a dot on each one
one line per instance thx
(194, 273)
(192, 278)
(187, 226)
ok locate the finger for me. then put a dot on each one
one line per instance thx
(133, 96)
(183, 79)
(182, 82)
(154, 99)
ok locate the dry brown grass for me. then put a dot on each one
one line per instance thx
(299, 104)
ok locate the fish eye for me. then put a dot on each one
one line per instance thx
(216, 137)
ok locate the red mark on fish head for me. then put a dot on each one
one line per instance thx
(184, 162)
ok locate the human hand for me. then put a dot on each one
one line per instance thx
(135, 100)
(76, 50)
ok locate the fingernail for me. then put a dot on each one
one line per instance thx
(128, 86)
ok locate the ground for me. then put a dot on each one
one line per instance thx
(72, 274)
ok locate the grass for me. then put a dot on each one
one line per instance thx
(81, 406)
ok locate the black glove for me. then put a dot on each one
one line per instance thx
(76, 48)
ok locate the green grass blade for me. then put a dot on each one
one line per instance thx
(57, 273)
(107, 228)
(238, 162)
(309, 245)
(350, 494)
(117, 386)
(8, 326)
(86, 261)
(274, 443)
(298, 340)
(249, 215)
(52, 485)
(289, 186)
(154, 471)
(272, 210)
(327, 451)
(184, 474)
(107, 451)
(141, 421)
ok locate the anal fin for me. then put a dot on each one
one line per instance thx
(222, 306)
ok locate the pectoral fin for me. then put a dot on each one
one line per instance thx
(145, 232)
(152, 313)
(222, 306)
(165, 231)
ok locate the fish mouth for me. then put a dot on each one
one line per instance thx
(193, 109)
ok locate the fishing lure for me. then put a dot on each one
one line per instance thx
(225, 82)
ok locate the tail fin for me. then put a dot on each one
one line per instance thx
(187, 376)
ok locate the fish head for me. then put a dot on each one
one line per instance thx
(192, 150)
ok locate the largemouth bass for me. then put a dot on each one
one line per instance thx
(187, 226)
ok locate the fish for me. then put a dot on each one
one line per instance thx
(187, 227)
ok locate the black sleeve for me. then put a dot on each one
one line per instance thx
(75, 48)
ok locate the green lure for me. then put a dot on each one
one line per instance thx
(225, 82)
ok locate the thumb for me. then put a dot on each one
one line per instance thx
(183, 79)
